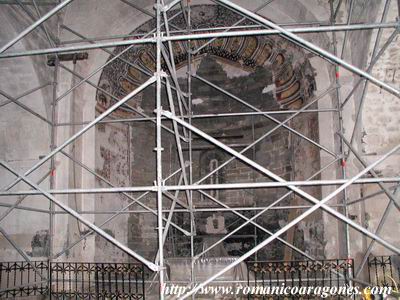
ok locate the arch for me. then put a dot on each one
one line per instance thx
(282, 79)
(250, 52)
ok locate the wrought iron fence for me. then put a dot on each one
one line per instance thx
(127, 280)
(332, 273)
(384, 270)
(66, 280)
(22, 279)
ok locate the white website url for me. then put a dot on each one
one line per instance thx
(282, 290)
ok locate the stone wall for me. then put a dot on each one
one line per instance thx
(379, 132)
(24, 138)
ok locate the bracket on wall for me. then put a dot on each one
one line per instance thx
(51, 59)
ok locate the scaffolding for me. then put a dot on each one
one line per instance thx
(162, 37)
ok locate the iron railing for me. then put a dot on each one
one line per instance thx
(127, 280)
(300, 273)
(67, 280)
(22, 279)
(384, 270)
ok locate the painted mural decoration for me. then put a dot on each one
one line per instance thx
(292, 73)
(268, 72)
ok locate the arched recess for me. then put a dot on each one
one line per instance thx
(267, 72)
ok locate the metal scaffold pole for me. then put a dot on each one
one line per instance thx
(341, 164)
(52, 171)
(159, 181)
(190, 114)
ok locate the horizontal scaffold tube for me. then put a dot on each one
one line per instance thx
(183, 37)
(225, 186)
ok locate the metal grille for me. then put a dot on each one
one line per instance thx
(305, 273)
(384, 270)
(19, 279)
(97, 281)
(73, 280)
